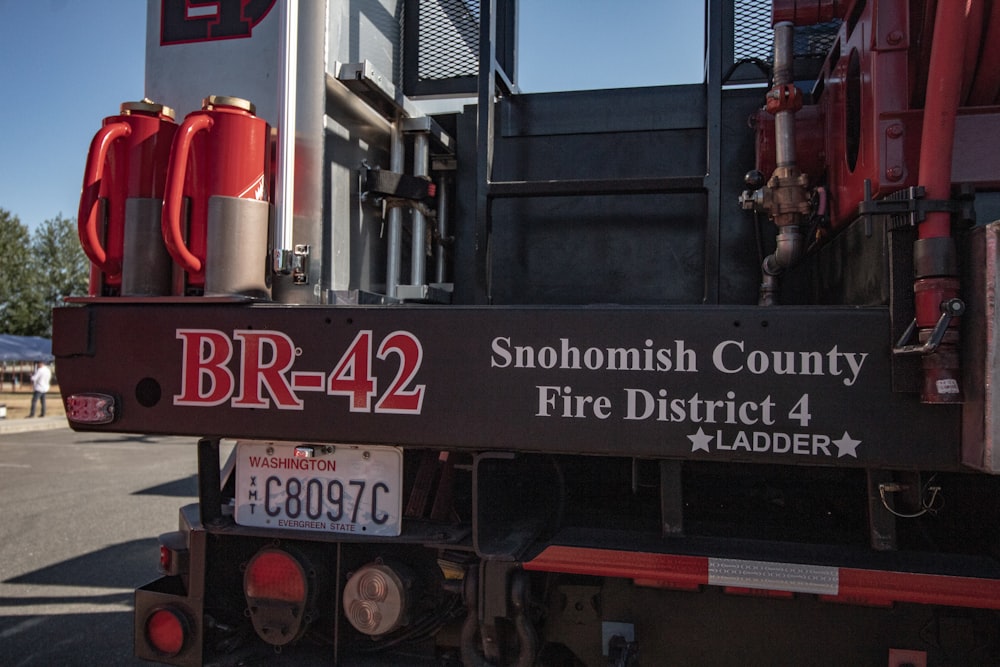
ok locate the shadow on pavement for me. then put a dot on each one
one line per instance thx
(50, 636)
(179, 488)
(125, 565)
(105, 439)
(67, 639)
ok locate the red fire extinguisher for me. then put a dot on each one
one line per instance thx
(123, 181)
(221, 153)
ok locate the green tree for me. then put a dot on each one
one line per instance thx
(20, 302)
(59, 264)
(37, 272)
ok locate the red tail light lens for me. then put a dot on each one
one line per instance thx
(91, 408)
(166, 631)
(275, 575)
(166, 559)
(279, 589)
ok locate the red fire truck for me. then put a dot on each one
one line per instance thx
(687, 374)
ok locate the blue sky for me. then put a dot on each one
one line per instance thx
(66, 64)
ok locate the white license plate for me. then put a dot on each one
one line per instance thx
(348, 489)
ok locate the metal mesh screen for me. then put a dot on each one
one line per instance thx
(752, 34)
(449, 39)
(751, 30)
(814, 41)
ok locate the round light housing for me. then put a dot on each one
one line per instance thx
(166, 631)
(273, 574)
(375, 599)
(278, 591)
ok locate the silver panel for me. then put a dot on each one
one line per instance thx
(181, 75)
(361, 30)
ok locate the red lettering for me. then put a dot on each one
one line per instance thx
(353, 374)
(398, 398)
(204, 376)
(266, 376)
(258, 374)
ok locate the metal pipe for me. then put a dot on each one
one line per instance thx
(344, 105)
(784, 143)
(787, 184)
(418, 254)
(284, 189)
(784, 121)
(394, 250)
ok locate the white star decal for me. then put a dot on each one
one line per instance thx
(700, 440)
(847, 446)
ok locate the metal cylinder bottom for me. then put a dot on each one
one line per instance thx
(147, 269)
(236, 255)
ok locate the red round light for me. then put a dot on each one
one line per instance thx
(166, 631)
(275, 575)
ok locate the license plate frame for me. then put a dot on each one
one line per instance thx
(329, 479)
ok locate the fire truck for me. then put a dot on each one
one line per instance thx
(683, 374)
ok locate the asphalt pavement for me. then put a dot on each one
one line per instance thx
(81, 514)
(26, 424)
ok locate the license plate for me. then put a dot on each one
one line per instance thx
(350, 489)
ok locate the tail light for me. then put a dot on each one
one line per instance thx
(376, 600)
(91, 408)
(279, 590)
(167, 631)
(174, 554)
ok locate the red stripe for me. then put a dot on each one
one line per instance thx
(921, 588)
(691, 571)
(663, 569)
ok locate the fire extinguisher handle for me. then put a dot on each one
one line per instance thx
(173, 197)
(93, 173)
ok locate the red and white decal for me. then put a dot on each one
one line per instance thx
(206, 379)
(266, 378)
(255, 190)
(186, 21)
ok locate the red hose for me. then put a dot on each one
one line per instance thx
(944, 81)
(934, 251)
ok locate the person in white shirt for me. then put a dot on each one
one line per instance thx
(40, 381)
